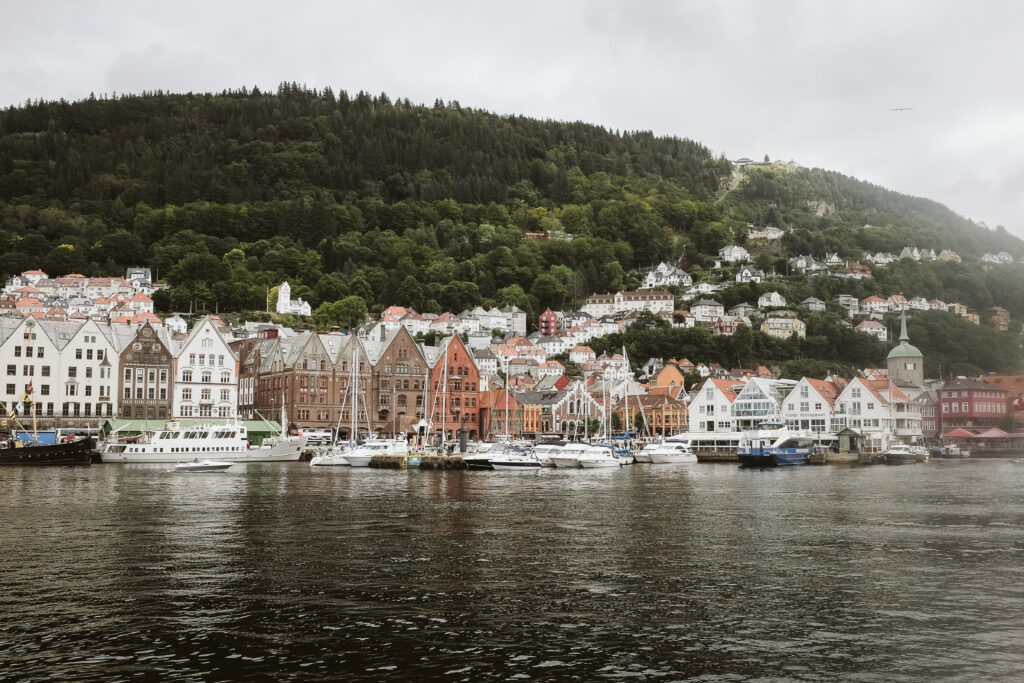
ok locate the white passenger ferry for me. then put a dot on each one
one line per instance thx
(228, 443)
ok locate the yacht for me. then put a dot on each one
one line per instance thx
(568, 455)
(225, 442)
(334, 456)
(514, 459)
(361, 455)
(672, 452)
(900, 454)
(599, 456)
(544, 452)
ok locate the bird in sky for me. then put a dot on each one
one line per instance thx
(901, 109)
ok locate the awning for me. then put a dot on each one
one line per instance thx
(959, 433)
(993, 433)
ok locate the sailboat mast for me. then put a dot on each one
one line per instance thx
(444, 399)
(353, 381)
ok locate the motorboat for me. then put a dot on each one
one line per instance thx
(599, 456)
(900, 454)
(950, 450)
(332, 457)
(361, 455)
(773, 444)
(198, 465)
(644, 454)
(670, 453)
(173, 444)
(568, 455)
(514, 459)
(544, 452)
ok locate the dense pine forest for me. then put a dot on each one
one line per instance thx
(363, 202)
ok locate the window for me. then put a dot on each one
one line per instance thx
(163, 375)
(206, 377)
(99, 354)
(10, 389)
(186, 394)
(78, 354)
(88, 390)
(220, 361)
(39, 352)
(225, 394)
(88, 354)
(72, 390)
(17, 352)
(72, 371)
(205, 396)
(88, 373)
(127, 374)
(186, 376)
(12, 369)
(191, 359)
(964, 407)
(44, 390)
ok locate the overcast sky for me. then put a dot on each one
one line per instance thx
(811, 81)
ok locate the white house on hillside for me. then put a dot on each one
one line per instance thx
(733, 254)
(286, 305)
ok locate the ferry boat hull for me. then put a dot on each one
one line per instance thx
(225, 443)
(774, 459)
(77, 452)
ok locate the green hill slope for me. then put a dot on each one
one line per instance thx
(378, 202)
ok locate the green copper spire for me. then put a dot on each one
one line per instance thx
(904, 349)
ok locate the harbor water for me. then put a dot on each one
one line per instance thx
(694, 572)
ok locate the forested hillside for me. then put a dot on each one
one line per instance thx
(372, 202)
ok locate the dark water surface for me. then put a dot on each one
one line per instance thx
(703, 572)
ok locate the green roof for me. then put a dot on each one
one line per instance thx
(139, 426)
(904, 349)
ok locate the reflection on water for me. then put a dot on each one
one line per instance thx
(709, 572)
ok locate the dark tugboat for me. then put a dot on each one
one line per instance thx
(31, 450)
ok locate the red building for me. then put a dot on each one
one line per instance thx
(457, 405)
(970, 403)
(548, 322)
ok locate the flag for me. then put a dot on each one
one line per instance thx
(28, 389)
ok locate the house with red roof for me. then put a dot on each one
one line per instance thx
(710, 407)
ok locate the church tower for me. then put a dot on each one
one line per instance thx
(906, 362)
(284, 298)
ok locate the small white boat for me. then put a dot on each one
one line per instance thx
(333, 457)
(360, 456)
(544, 452)
(202, 466)
(670, 453)
(515, 460)
(599, 456)
(568, 456)
(644, 454)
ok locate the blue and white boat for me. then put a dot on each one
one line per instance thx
(772, 444)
